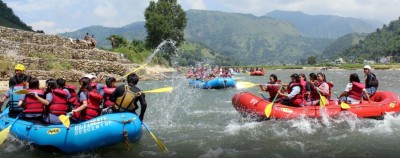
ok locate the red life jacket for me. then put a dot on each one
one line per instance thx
(356, 90)
(33, 105)
(94, 85)
(107, 94)
(330, 84)
(59, 104)
(74, 98)
(93, 109)
(273, 90)
(298, 99)
(314, 94)
(303, 86)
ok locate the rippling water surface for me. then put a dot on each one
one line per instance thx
(203, 123)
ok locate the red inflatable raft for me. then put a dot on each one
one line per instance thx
(249, 104)
(257, 73)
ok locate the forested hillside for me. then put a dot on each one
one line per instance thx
(243, 37)
(323, 26)
(9, 19)
(331, 52)
(253, 40)
(381, 43)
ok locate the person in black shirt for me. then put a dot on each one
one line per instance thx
(371, 82)
(127, 95)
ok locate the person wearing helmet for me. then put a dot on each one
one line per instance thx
(15, 84)
(19, 75)
(371, 82)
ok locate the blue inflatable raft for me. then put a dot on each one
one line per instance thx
(92, 134)
(216, 83)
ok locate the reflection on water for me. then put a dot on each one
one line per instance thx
(203, 123)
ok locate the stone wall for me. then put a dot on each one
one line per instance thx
(40, 53)
(54, 51)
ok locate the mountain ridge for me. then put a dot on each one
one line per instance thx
(257, 39)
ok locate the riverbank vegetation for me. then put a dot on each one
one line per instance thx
(325, 67)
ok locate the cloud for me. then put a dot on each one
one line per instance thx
(49, 27)
(42, 25)
(193, 4)
(105, 11)
(366, 9)
(79, 14)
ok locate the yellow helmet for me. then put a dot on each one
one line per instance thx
(20, 67)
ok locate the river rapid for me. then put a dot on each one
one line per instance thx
(203, 123)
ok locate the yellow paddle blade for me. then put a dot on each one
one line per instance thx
(160, 145)
(64, 120)
(160, 90)
(22, 91)
(245, 84)
(4, 134)
(322, 101)
(268, 109)
(140, 67)
(344, 105)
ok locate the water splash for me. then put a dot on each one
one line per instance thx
(166, 46)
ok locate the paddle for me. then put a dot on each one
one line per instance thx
(344, 105)
(322, 100)
(4, 133)
(140, 67)
(65, 119)
(160, 90)
(159, 143)
(22, 91)
(242, 84)
(268, 108)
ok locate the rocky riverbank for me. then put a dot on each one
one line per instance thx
(52, 56)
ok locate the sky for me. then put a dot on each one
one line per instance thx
(58, 16)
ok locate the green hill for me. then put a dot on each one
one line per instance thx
(383, 42)
(9, 19)
(244, 37)
(324, 26)
(342, 44)
(253, 40)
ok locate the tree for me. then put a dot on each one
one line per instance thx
(165, 19)
(312, 60)
(119, 41)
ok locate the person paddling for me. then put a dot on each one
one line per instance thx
(127, 95)
(108, 91)
(89, 100)
(15, 84)
(33, 108)
(354, 90)
(55, 102)
(294, 96)
(271, 88)
(318, 88)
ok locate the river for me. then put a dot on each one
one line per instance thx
(203, 123)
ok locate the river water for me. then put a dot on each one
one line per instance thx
(203, 123)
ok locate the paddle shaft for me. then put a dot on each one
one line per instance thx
(320, 96)
(5, 132)
(276, 96)
(263, 96)
(159, 143)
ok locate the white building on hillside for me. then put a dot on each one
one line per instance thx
(339, 61)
